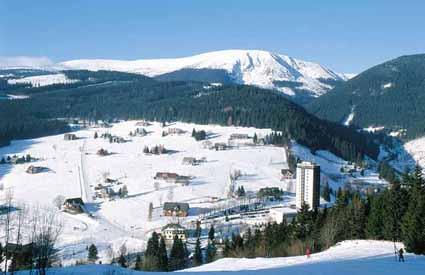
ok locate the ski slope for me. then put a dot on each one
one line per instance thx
(347, 258)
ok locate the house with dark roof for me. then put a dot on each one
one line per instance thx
(176, 209)
(73, 205)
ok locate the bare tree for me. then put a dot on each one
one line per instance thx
(8, 207)
(156, 185)
(58, 201)
(46, 229)
(170, 194)
(150, 211)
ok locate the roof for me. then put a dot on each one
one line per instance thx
(189, 159)
(75, 201)
(181, 206)
(174, 226)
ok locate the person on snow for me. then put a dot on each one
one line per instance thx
(307, 253)
(400, 255)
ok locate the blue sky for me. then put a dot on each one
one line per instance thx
(347, 36)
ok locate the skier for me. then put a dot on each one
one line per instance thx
(400, 255)
(307, 253)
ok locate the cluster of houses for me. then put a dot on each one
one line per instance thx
(286, 174)
(139, 132)
(169, 231)
(112, 138)
(193, 161)
(69, 136)
(218, 146)
(172, 178)
(143, 123)
(110, 189)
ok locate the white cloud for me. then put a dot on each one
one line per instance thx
(24, 61)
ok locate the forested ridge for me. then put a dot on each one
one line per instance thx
(391, 94)
(129, 97)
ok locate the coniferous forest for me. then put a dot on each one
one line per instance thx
(397, 214)
(125, 96)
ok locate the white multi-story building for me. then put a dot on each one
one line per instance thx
(308, 185)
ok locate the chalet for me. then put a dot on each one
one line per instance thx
(166, 176)
(143, 123)
(239, 136)
(102, 152)
(73, 205)
(286, 174)
(190, 161)
(220, 146)
(207, 145)
(69, 137)
(35, 169)
(176, 209)
(171, 230)
(17, 160)
(175, 131)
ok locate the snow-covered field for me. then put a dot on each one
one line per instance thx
(416, 148)
(43, 80)
(75, 169)
(348, 258)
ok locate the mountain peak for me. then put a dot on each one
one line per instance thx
(252, 67)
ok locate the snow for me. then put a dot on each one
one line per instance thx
(350, 118)
(364, 257)
(330, 167)
(416, 149)
(43, 80)
(387, 85)
(75, 169)
(374, 129)
(252, 67)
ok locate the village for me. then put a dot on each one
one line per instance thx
(117, 183)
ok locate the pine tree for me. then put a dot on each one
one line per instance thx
(92, 254)
(197, 256)
(211, 252)
(211, 233)
(198, 229)
(95, 135)
(139, 263)
(326, 194)
(122, 261)
(414, 219)
(177, 255)
(162, 256)
(255, 138)
(150, 262)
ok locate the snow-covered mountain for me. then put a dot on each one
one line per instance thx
(252, 67)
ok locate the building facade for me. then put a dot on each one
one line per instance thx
(308, 185)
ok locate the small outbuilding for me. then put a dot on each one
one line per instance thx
(176, 209)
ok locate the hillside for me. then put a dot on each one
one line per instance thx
(389, 95)
(349, 258)
(126, 98)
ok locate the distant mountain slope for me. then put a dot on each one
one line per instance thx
(251, 67)
(133, 96)
(391, 95)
